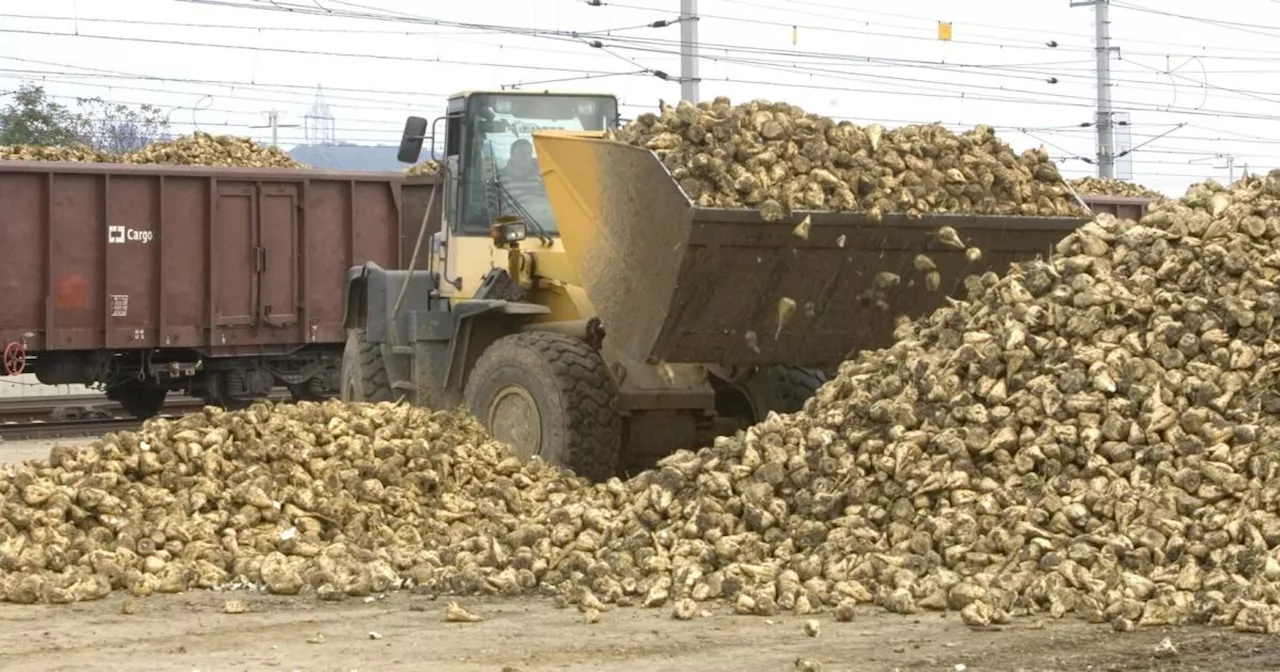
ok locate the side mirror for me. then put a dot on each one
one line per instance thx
(434, 157)
(415, 131)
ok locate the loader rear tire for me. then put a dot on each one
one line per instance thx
(549, 395)
(785, 388)
(782, 389)
(364, 374)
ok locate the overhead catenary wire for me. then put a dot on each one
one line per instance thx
(309, 88)
(92, 72)
(312, 10)
(395, 125)
(1224, 88)
(790, 8)
(1001, 43)
(662, 23)
(240, 84)
(1044, 98)
(1252, 28)
(393, 128)
(844, 74)
(388, 140)
(915, 81)
(887, 63)
(442, 35)
(996, 94)
(87, 71)
(1014, 43)
(63, 79)
(303, 52)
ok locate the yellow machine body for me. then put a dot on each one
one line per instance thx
(655, 397)
(703, 317)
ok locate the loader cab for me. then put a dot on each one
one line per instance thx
(498, 167)
(490, 157)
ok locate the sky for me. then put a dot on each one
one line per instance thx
(1197, 85)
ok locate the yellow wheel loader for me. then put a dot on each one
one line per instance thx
(593, 316)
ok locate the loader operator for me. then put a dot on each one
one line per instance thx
(517, 188)
(520, 177)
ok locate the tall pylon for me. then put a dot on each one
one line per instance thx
(320, 125)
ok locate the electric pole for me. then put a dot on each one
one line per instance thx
(273, 123)
(1103, 49)
(689, 79)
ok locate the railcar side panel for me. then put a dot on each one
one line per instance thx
(224, 261)
(1122, 207)
(183, 308)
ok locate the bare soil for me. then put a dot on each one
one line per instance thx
(192, 632)
(35, 449)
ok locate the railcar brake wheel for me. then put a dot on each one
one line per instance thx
(15, 358)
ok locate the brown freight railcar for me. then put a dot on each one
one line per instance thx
(416, 195)
(220, 282)
(1123, 207)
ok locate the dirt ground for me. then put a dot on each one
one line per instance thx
(31, 449)
(192, 632)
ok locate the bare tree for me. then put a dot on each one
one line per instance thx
(118, 128)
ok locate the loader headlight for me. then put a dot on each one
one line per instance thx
(508, 233)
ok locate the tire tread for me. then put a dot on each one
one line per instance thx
(375, 384)
(594, 431)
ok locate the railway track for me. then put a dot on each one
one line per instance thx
(82, 415)
(66, 429)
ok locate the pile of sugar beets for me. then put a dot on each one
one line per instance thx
(1109, 186)
(776, 157)
(1093, 434)
(197, 149)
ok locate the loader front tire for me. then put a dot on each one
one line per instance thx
(364, 374)
(549, 395)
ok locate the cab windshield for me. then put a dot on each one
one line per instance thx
(502, 175)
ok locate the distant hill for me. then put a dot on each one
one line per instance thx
(349, 157)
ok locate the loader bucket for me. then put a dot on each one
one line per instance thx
(677, 283)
